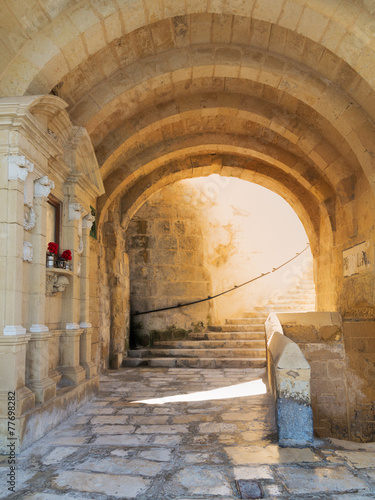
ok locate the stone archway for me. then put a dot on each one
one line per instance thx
(149, 92)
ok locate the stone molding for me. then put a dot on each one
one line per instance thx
(19, 168)
(84, 324)
(72, 326)
(14, 330)
(27, 252)
(43, 187)
(39, 329)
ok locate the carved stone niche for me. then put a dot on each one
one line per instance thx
(56, 281)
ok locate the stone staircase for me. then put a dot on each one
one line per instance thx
(239, 343)
(299, 297)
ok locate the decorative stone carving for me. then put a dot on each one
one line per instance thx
(55, 283)
(80, 245)
(27, 251)
(79, 269)
(88, 221)
(29, 218)
(43, 187)
(52, 134)
(76, 211)
(19, 168)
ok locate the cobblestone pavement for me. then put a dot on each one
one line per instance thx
(114, 448)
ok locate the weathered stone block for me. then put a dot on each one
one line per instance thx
(294, 423)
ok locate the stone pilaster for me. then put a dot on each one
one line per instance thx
(11, 242)
(85, 354)
(72, 222)
(38, 350)
(13, 338)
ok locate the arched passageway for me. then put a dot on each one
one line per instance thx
(195, 240)
(103, 103)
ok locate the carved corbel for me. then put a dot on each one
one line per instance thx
(55, 283)
(88, 221)
(43, 187)
(19, 168)
(76, 211)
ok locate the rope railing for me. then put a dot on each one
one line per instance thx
(235, 287)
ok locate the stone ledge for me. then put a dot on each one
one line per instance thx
(37, 422)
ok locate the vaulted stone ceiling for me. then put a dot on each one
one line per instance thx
(280, 92)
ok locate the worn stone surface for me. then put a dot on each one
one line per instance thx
(107, 484)
(320, 480)
(270, 454)
(146, 463)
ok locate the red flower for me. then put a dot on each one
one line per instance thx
(53, 247)
(66, 255)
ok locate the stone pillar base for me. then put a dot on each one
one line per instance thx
(72, 375)
(90, 368)
(70, 368)
(115, 360)
(55, 375)
(85, 351)
(37, 360)
(25, 401)
(44, 390)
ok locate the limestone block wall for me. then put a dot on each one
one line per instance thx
(359, 339)
(352, 223)
(164, 242)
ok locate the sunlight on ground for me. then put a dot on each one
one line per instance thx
(253, 388)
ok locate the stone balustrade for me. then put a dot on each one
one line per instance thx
(289, 376)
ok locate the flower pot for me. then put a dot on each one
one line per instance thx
(50, 261)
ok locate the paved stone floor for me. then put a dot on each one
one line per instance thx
(178, 449)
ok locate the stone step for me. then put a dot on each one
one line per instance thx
(255, 314)
(283, 305)
(238, 328)
(196, 362)
(226, 336)
(211, 344)
(246, 321)
(294, 298)
(197, 353)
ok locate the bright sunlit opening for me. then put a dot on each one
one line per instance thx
(253, 388)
